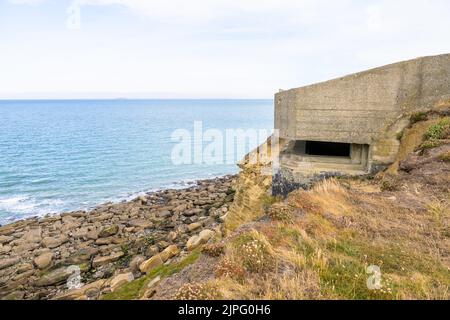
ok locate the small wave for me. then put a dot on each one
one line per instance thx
(22, 206)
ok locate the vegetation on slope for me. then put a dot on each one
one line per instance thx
(327, 242)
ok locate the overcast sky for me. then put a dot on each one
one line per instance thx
(205, 48)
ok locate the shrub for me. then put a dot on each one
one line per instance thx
(439, 130)
(227, 268)
(388, 185)
(214, 249)
(194, 291)
(255, 252)
(268, 201)
(281, 212)
(417, 117)
(430, 144)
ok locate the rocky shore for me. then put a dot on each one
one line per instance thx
(82, 255)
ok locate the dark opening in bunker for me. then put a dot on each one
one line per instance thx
(317, 148)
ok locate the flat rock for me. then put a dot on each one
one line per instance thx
(169, 252)
(101, 261)
(150, 264)
(194, 226)
(54, 242)
(44, 260)
(34, 235)
(5, 249)
(199, 239)
(7, 230)
(5, 263)
(24, 267)
(101, 217)
(140, 223)
(192, 212)
(76, 294)
(109, 231)
(25, 247)
(54, 277)
(120, 280)
(82, 256)
(6, 239)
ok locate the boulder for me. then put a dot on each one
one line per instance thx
(25, 247)
(152, 250)
(7, 230)
(24, 267)
(82, 256)
(6, 239)
(164, 214)
(171, 236)
(5, 263)
(180, 208)
(44, 260)
(140, 223)
(150, 264)
(77, 294)
(169, 252)
(205, 235)
(5, 249)
(158, 259)
(92, 235)
(199, 239)
(136, 262)
(54, 277)
(101, 217)
(109, 231)
(194, 226)
(192, 212)
(54, 242)
(33, 235)
(193, 242)
(120, 280)
(101, 261)
(163, 244)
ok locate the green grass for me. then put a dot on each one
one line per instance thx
(417, 117)
(267, 201)
(438, 130)
(136, 288)
(345, 275)
(430, 144)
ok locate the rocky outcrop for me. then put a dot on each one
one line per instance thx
(98, 251)
(253, 185)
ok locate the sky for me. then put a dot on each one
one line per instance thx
(51, 49)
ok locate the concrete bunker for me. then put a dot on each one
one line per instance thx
(317, 156)
(351, 125)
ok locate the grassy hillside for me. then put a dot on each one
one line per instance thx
(326, 243)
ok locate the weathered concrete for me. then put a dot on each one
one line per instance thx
(366, 110)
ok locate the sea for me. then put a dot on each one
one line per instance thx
(66, 155)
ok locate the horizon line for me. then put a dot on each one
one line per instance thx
(118, 99)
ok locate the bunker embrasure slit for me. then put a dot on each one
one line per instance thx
(333, 149)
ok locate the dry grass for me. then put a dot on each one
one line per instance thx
(196, 291)
(324, 252)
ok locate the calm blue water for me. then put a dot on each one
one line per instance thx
(67, 155)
